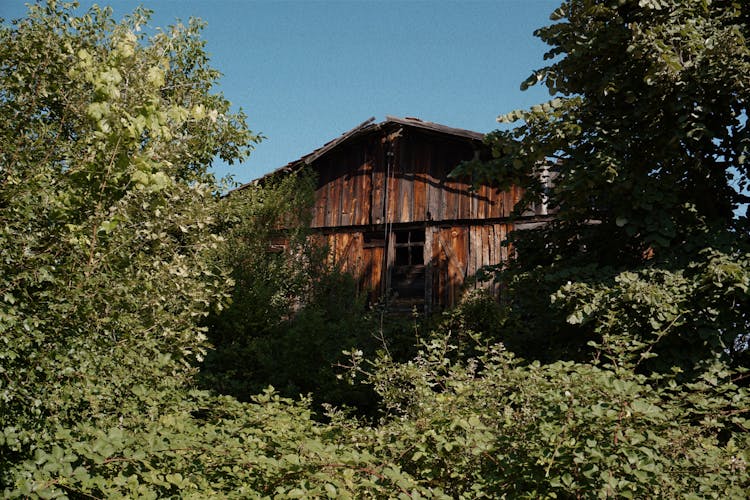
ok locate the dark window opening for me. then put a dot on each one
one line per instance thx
(402, 256)
(417, 255)
(408, 278)
(409, 247)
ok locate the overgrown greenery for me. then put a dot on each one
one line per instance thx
(106, 136)
(113, 266)
(647, 131)
(291, 312)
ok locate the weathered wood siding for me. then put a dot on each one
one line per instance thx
(456, 253)
(401, 177)
(375, 187)
(453, 255)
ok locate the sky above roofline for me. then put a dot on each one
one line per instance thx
(306, 72)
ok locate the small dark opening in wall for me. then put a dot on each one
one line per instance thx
(417, 255)
(409, 247)
(402, 256)
(408, 273)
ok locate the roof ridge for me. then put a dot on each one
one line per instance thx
(362, 127)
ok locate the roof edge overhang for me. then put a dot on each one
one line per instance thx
(364, 127)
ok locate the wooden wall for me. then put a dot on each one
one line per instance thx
(452, 256)
(396, 179)
(402, 177)
(456, 253)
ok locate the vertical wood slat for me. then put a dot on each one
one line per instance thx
(321, 197)
(377, 183)
(332, 206)
(474, 203)
(365, 192)
(353, 177)
(450, 207)
(429, 299)
(465, 199)
(393, 184)
(439, 268)
(405, 179)
(346, 172)
(433, 179)
(471, 267)
(419, 169)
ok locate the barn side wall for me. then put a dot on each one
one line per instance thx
(401, 177)
(452, 256)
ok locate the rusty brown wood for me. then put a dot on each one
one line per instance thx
(450, 252)
(428, 260)
(407, 179)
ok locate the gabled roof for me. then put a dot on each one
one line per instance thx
(365, 127)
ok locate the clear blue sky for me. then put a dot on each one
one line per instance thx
(305, 72)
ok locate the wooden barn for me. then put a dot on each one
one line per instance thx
(391, 215)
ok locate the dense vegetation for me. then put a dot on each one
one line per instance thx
(141, 315)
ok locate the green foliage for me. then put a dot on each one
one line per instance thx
(647, 137)
(680, 317)
(267, 448)
(106, 210)
(647, 125)
(112, 261)
(290, 315)
(492, 426)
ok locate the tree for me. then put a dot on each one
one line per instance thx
(106, 215)
(291, 312)
(648, 139)
(109, 266)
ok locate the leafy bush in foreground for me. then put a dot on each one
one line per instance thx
(108, 240)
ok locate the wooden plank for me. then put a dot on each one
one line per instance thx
(392, 184)
(332, 210)
(378, 184)
(451, 249)
(355, 161)
(406, 180)
(474, 203)
(364, 208)
(341, 185)
(486, 247)
(428, 260)
(460, 249)
(318, 216)
(441, 268)
(347, 196)
(444, 274)
(376, 270)
(345, 244)
(465, 199)
(321, 198)
(453, 243)
(434, 192)
(495, 205)
(488, 193)
(419, 211)
(450, 203)
(475, 242)
(470, 262)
